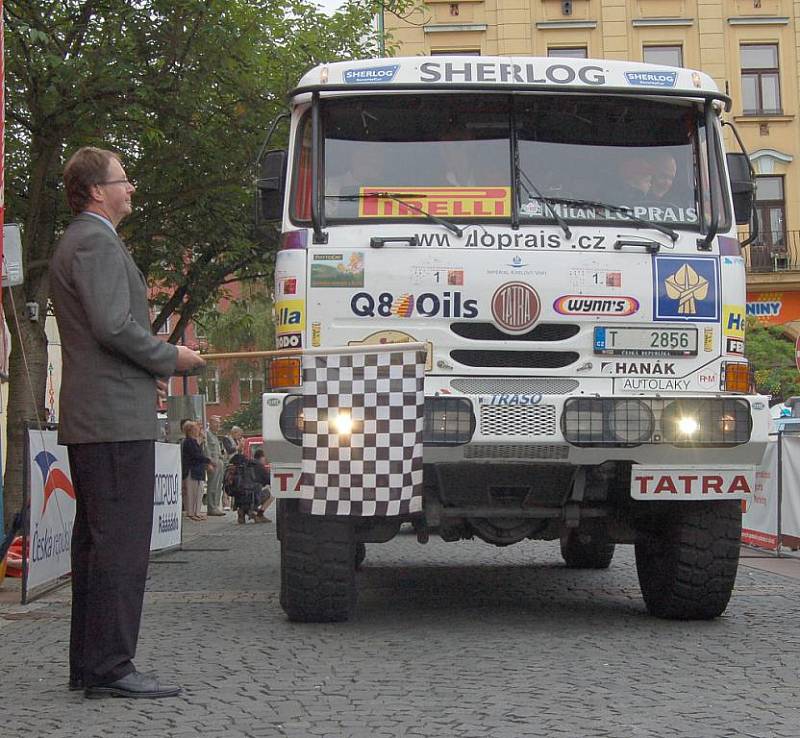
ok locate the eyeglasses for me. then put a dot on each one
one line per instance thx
(118, 181)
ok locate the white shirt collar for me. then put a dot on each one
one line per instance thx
(102, 218)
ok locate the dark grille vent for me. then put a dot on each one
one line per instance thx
(490, 332)
(516, 359)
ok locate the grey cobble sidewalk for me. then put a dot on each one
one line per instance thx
(460, 639)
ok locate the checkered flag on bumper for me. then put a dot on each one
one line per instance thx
(376, 469)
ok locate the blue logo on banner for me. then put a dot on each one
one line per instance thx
(686, 288)
(651, 79)
(371, 74)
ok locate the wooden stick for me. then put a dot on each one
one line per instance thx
(359, 348)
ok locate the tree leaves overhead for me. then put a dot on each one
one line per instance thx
(185, 90)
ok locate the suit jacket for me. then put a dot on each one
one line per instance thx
(110, 356)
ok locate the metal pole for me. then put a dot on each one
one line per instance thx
(381, 39)
(2, 219)
(778, 534)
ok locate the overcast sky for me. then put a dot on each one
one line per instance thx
(329, 6)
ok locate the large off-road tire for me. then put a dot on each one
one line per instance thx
(591, 554)
(687, 569)
(318, 562)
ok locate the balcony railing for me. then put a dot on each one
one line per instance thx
(776, 251)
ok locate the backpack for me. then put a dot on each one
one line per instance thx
(240, 480)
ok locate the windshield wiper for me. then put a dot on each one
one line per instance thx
(401, 197)
(546, 200)
(622, 208)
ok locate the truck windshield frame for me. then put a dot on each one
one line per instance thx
(455, 153)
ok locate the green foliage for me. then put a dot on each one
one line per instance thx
(248, 418)
(771, 354)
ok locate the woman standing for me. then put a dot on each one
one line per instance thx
(194, 464)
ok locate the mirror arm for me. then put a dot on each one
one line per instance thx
(317, 215)
(753, 217)
(704, 244)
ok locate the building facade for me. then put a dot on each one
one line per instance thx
(750, 47)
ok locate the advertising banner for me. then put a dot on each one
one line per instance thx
(760, 519)
(790, 509)
(52, 507)
(167, 498)
(773, 308)
(52, 510)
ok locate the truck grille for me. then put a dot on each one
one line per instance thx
(516, 451)
(516, 420)
(515, 359)
(522, 386)
(490, 332)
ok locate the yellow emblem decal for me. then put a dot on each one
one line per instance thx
(686, 286)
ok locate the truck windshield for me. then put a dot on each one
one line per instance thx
(454, 154)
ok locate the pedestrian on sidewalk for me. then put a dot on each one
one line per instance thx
(100, 301)
(194, 464)
(214, 450)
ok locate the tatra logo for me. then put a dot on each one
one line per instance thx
(515, 307)
(53, 478)
(686, 286)
(691, 484)
(582, 305)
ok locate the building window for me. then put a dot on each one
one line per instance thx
(208, 384)
(456, 52)
(251, 386)
(667, 56)
(771, 213)
(571, 52)
(761, 92)
(164, 330)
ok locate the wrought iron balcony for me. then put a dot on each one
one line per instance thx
(773, 251)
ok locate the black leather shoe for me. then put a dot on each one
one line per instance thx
(136, 685)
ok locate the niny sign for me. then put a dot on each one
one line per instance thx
(687, 483)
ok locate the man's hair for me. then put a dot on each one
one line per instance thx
(87, 167)
(259, 454)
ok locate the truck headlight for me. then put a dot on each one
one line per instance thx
(631, 421)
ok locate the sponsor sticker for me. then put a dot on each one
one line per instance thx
(708, 380)
(522, 400)
(289, 316)
(316, 334)
(515, 307)
(595, 305)
(708, 339)
(638, 368)
(673, 483)
(734, 346)
(287, 286)
(289, 341)
(686, 288)
(383, 337)
(447, 202)
(733, 321)
(366, 75)
(338, 270)
(646, 384)
(449, 304)
(651, 79)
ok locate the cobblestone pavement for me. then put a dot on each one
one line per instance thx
(448, 640)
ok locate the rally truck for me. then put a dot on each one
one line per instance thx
(559, 235)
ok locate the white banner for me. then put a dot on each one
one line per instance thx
(167, 497)
(790, 511)
(760, 519)
(52, 509)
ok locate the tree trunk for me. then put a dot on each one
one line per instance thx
(28, 373)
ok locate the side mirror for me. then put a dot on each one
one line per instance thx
(743, 187)
(270, 187)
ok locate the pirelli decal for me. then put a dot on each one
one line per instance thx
(446, 202)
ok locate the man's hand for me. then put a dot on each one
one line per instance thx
(161, 389)
(188, 359)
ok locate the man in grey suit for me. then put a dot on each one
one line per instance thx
(113, 370)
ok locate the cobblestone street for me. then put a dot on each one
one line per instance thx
(448, 640)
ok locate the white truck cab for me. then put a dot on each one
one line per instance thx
(561, 235)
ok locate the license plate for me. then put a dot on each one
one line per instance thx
(645, 341)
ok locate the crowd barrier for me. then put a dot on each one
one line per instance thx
(771, 518)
